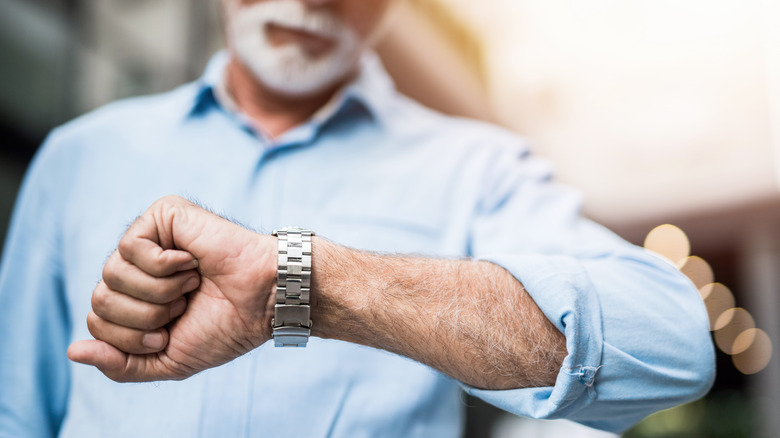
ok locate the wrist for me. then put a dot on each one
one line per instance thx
(321, 303)
(269, 274)
(261, 283)
(337, 308)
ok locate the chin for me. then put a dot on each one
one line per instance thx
(288, 70)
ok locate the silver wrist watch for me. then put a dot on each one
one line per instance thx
(292, 323)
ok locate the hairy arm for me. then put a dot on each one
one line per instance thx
(472, 320)
(469, 319)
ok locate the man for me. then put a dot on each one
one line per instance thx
(511, 295)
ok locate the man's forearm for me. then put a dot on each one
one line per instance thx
(471, 320)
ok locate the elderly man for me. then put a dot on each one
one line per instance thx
(510, 295)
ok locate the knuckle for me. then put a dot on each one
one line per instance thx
(176, 199)
(158, 270)
(93, 325)
(127, 340)
(161, 202)
(155, 317)
(158, 292)
(125, 246)
(99, 299)
(166, 203)
(169, 289)
(169, 199)
(109, 271)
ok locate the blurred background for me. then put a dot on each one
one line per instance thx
(660, 111)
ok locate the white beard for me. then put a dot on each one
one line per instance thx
(288, 68)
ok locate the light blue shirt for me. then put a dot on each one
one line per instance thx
(378, 172)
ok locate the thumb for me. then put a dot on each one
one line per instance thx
(111, 361)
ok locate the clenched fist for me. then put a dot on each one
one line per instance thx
(186, 290)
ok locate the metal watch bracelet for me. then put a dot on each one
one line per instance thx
(292, 315)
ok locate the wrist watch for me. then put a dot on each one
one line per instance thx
(291, 323)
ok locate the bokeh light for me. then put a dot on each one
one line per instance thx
(718, 299)
(737, 320)
(757, 355)
(668, 241)
(744, 341)
(697, 270)
(733, 328)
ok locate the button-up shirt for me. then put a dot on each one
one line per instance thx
(374, 171)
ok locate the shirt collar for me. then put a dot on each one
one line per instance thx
(372, 88)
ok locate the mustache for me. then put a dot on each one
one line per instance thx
(293, 14)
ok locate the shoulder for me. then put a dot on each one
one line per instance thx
(467, 146)
(123, 119)
(107, 137)
(412, 121)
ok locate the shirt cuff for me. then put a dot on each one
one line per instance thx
(562, 289)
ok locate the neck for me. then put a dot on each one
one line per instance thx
(274, 113)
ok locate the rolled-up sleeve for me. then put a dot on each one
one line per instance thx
(636, 329)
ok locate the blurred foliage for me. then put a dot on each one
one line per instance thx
(726, 414)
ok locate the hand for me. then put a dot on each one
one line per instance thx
(186, 290)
